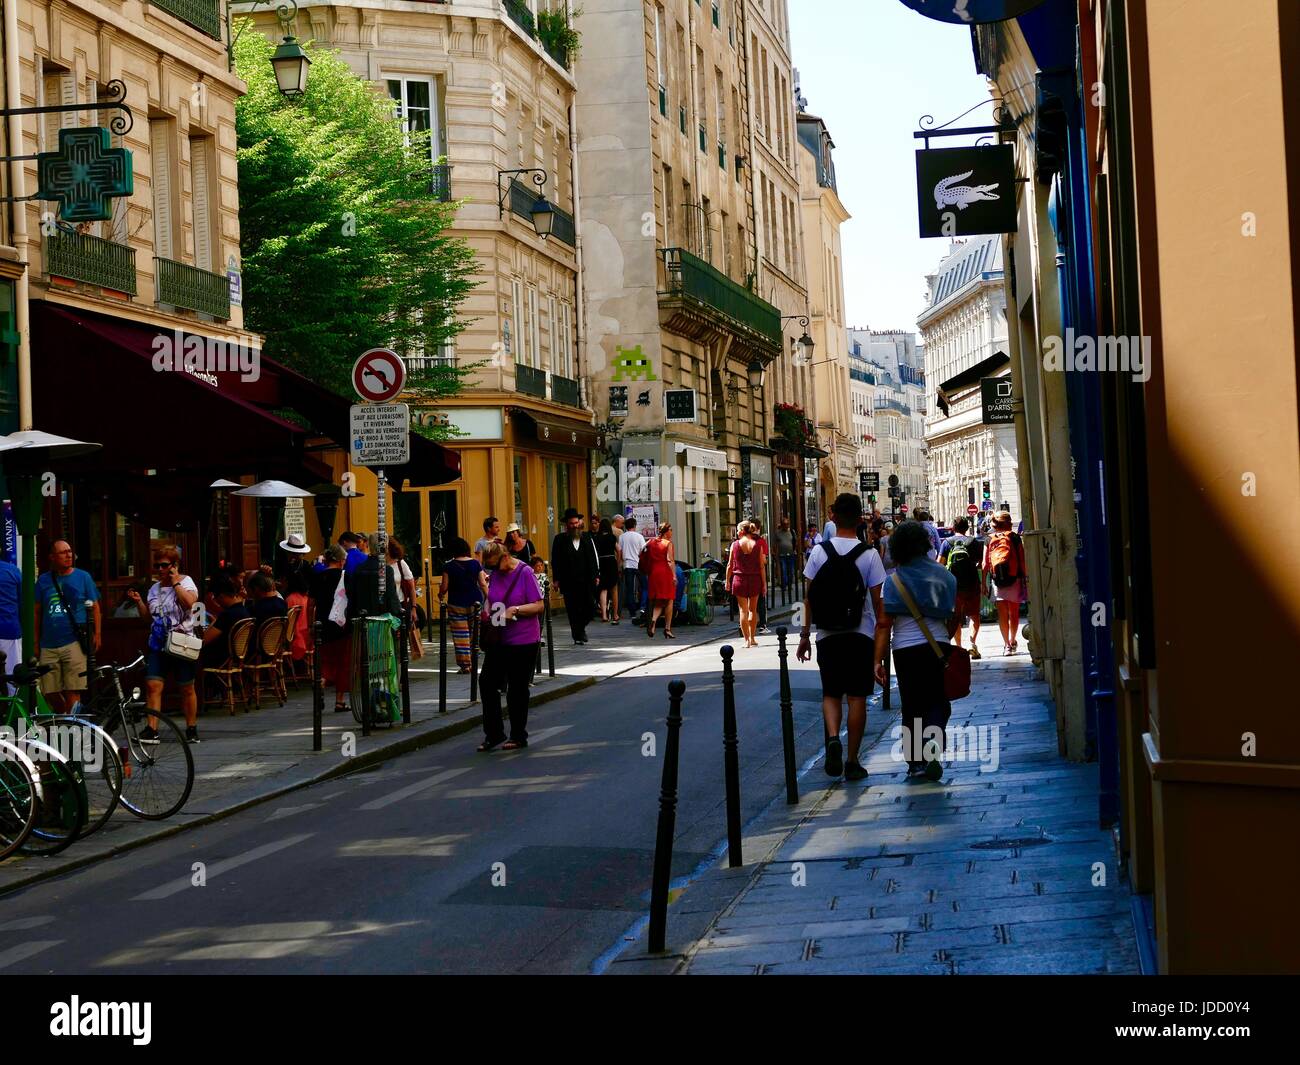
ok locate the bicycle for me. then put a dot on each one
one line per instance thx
(83, 742)
(157, 770)
(20, 797)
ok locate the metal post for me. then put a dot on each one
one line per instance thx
(404, 662)
(428, 599)
(731, 758)
(365, 673)
(474, 621)
(667, 821)
(787, 720)
(550, 640)
(317, 689)
(380, 550)
(442, 656)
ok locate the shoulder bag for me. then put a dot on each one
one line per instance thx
(181, 644)
(956, 670)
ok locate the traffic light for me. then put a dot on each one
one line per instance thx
(871, 498)
(970, 494)
(987, 493)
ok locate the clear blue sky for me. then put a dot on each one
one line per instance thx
(870, 69)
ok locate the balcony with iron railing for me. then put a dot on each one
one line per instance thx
(530, 381)
(892, 404)
(81, 257)
(521, 16)
(191, 288)
(565, 390)
(694, 289)
(203, 15)
(440, 182)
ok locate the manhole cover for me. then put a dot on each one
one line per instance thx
(1009, 844)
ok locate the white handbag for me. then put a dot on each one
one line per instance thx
(183, 645)
(339, 608)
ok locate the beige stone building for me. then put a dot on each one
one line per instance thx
(679, 333)
(823, 214)
(496, 95)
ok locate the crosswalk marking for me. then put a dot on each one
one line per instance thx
(26, 950)
(175, 887)
(22, 924)
(414, 789)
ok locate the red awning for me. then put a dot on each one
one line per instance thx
(106, 379)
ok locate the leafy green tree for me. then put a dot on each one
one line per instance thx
(344, 245)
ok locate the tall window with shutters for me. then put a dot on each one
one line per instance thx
(162, 172)
(517, 322)
(203, 204)
(534, 342)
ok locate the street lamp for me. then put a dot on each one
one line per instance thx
(289, 61)
(803, 347)
(541, 212)
(754, 371)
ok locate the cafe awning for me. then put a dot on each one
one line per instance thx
(969, 378)
(153, 414)
(553, 429)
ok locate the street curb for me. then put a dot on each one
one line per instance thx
(409, 743)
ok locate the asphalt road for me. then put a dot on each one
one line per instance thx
(392, 869)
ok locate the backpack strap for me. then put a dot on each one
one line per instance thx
(916, 613)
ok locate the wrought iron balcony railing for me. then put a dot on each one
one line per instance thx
(530, 381)
(182, 285)
(203, 15)
(565, 390)
(91, 259)
(522, 199)
(691, 278)
(440, 183)
(521, 16)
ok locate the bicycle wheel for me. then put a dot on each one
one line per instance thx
(156, 777)
(63, 808)
(20, 799)
(101, 766)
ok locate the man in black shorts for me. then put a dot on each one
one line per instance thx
(846, 632)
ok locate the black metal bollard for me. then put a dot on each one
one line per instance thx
(428, 600)
(787, 720)
(667, 821)
(474, 621)
(317, 689)
(550, 640)
(404, 663)
(366, 694)
(442, 656)
(731, 758)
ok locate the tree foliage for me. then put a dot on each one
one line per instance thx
(344, 245)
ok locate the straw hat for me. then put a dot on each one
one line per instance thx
(296, 545)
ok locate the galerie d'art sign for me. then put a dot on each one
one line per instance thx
(964, 192)
(969, 12)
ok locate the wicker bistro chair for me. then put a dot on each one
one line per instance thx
(231, 672)
(265, 668)
(287, 673)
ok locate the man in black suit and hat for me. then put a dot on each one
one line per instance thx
(576, 567)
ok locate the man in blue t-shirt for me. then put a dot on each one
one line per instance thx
(355, 545)
(65, 598)
(11, 626)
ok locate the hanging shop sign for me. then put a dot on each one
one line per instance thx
(963, 192)
(997, 400)
(971, 12)
(869, 481)
(679, 404)
(85, 175)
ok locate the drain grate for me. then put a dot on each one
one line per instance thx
(1010, 844)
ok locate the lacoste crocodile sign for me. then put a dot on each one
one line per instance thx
(971, 12)
(964, 192)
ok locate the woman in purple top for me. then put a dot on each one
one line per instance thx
(510, 632)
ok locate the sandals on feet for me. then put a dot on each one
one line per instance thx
(514, 745)
(488, 745)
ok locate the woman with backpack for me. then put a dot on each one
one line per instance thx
(1004, 565)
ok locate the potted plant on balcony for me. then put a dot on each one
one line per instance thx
(555, 31)
(792, 425)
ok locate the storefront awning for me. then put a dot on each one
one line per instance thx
(703, 458)
(202, 419)
(556, 430)
(970, 378)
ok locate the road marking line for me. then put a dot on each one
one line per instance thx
(175, 887)
(414, 789)
(22, 924)
(289, 811)
(26, 950)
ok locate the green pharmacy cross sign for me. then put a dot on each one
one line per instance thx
(84, 175)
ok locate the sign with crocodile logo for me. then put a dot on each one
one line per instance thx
(971, 12)
(966, 192)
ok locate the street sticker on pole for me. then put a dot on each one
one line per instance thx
(381, 434)
(379, 375)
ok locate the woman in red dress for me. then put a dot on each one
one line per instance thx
(747, 578)
(662, 580)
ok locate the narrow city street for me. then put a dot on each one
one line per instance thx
(391, 869)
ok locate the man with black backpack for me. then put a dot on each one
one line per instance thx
(843, 600)
(963, 555)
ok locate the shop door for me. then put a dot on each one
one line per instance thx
(443, 527)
